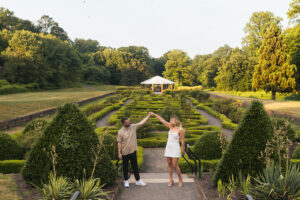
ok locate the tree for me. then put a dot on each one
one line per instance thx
(178, 67)
(255, 29)
(47, 25)
(41, 59)
(248, 141)
(125, 60)
(207, 66)
(86, 46)
(157, 65)
(274, 72)
(199, 69)
(292, 39)
(10, 22)
(93, 73)
(236, 73)
(294, 11)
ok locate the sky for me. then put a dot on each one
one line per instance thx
(194, 26)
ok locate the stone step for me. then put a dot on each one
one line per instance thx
(160, 178)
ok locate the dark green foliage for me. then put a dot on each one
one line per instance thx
(169, 111)
(208, 147)
(97, 74)
(200, 95)
(38, 125)
(145, 130)
(75, 142)
(296, 153)
(32, 133)
(111, 145)
(247, 143)
(17, 88)
(230, 108)
(9, 148)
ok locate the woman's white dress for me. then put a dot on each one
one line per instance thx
(173, 147)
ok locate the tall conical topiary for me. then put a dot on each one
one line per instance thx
(75, 143)
(248, 141)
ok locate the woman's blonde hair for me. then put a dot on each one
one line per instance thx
(177, 121)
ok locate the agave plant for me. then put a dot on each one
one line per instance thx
(273, 184)
(90, 189)
(58, 188)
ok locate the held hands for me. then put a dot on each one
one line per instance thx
(151, 114)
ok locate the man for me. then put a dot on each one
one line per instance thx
(127, 147)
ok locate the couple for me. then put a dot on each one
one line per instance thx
(127, 147)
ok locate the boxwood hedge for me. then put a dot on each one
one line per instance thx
(9, 148)
(75, 141)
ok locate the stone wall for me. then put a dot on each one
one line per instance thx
(27, 118)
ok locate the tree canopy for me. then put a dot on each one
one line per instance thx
(178, 67)
(274, 72)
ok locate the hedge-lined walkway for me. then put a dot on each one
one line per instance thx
(211, 120)
(104, 120)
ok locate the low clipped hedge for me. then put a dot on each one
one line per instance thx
(89, 109)
(98, 115)
(295, 162)
(296, 153)
(226, 122)
(208, 128)
(200, 132)
(140, 159)
(106, 129)
(206, 165)
(208, 147)
(11, 166)
(152, 142)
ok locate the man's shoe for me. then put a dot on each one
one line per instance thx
(126, 184)
(141, 183)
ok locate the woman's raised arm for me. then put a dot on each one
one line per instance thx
(164, 122)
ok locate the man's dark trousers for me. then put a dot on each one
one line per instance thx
(133, 160)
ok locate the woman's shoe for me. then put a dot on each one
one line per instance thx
(180, 184)
(171, 184)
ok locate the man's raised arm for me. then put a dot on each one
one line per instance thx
(141, 123)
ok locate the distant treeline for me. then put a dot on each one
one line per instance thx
(42, 54)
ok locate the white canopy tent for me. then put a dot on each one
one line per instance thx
(158, 80)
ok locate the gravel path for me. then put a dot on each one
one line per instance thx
(211, 120)
(154, 160)
(104, 120)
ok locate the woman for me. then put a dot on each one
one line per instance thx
(172, 152)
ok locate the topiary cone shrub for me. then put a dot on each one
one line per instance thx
(9, 148)
(75, 142)
(248, 141)
(208, 147)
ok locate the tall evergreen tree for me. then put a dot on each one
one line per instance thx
(274, 72)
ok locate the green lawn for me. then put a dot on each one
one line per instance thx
(14, 105)
(257, 94)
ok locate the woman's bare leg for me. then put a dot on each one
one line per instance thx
(170, 170)
(177, 169)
